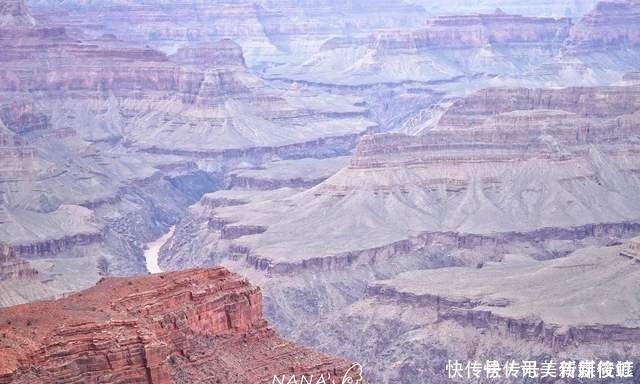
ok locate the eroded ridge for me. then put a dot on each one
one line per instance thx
(194, 326)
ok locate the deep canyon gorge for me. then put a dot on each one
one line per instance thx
(214, 191)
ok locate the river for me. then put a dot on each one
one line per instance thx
(151, 253)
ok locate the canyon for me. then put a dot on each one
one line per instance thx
(514, 182)
(407, 182)
(106, 145)
(532, 159)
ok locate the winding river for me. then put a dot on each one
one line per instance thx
(151, 253)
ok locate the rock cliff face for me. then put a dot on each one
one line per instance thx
(14, 13)
(360, 42)
(476, 50)
(265, 30)
(193, 326)
(472, 50)
(611, 23)
(16, 269)
(223, 53)
(53, 177)
(467, 31)
(285, 174)
(12, 267)
(21, 118)
(632, 250)
(201, 99)
(123, 68)
(495, 303)
(282, 31)
(500, 161)
(446, 49)
(583, 101)
(424, 318)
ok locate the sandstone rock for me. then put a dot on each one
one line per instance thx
(263, 29)
(201, 325)
(63, 228)
(443, 50)
(512, 307)
(16, 269)
(502, 171)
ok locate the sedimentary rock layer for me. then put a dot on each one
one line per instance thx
(501, 164)
(11, 266)
(632, 250)
(102, 140)
(581, 306)
(609, 24)
(466, 31)
(201, 326)
(285, 174)
(499, 294)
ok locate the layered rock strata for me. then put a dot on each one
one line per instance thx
(471, 51)
(202, 326)
(632, 250)
(610, 23)
(105, 146)
(579, 307)
(266, 31)
(531, 172)
(502, 164)
(302, 173)
(495, 296)
(445, 52)
(468, 31)
(12, 267)
(174, 104)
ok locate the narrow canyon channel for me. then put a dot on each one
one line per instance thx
(153, 248)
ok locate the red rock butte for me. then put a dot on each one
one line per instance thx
(193, 326)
